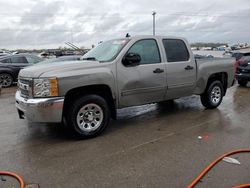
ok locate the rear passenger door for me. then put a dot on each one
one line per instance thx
(180, 67)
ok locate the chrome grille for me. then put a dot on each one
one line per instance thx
(25, 86)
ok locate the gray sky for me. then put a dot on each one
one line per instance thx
(51, 23)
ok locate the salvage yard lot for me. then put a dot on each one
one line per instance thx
(148, 146)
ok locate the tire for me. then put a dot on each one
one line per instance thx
(242, 83)
(6, 80)
(213, 95)
(88, 116)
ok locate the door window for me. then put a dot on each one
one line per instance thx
(19, 60)
(32, 60)
(176, 50)
(148, 50)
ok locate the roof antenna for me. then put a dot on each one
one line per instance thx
(128, 35)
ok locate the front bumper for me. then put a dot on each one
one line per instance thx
(243, 77)
(40, 110)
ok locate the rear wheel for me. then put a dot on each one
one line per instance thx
(242, 83)
(88, 116)
(6, 79)
(213, 95)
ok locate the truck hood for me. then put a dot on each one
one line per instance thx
(52, 69)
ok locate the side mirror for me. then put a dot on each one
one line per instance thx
(131, 59)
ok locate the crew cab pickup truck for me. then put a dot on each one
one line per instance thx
(116, 74)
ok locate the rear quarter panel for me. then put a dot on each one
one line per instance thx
(208, 67)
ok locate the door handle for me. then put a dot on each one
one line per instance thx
(189, 67)
(158, 70)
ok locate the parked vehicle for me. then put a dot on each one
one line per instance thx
(116, 74)
(4, 53)
(10, 66)
(239, 55)
(62, 58)
(243, 70)
(197, 56)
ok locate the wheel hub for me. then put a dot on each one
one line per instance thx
(90, 117)
(5, 80)
(216, 95)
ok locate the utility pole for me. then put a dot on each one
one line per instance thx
(71, 35)
(154, 13)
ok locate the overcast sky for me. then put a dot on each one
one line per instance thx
(51, 23)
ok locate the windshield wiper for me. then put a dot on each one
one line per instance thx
(89, 58)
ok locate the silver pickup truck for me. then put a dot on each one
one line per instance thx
(116, 74)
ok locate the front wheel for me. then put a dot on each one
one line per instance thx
(88, 116)
(6, 80)
(213, 95)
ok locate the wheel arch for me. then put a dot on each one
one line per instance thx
(220, 76)
(100, 90)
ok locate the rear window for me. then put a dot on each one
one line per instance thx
(18, 59)
(176, 50)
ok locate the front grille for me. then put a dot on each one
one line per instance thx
(25, 86)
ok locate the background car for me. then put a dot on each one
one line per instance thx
(4, 53)
(197, 56)
(243, 70)
(10, 66)
(239, 55)
(63, 58)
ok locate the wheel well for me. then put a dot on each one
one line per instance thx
(8, 72)
(101, 90)
(221, 76)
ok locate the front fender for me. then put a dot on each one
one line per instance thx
(96, 76)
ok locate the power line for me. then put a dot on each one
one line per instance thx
(120, 30)
(81, 15)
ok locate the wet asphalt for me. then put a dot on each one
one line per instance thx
(148, 146)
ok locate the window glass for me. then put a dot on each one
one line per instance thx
(5, 60)
(32, 60)
(106, 51)
(18, 60)
(176, 50)
(148, 50)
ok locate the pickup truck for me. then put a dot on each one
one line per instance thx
(116, 74)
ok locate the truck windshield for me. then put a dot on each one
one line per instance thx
(106, 51)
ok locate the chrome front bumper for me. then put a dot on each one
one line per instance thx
(40, 110)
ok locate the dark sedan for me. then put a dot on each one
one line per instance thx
(10, 66)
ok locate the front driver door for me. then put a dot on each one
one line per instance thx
(146, 82)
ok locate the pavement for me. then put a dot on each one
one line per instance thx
(148, 146)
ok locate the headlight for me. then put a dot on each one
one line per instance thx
(45, 87)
